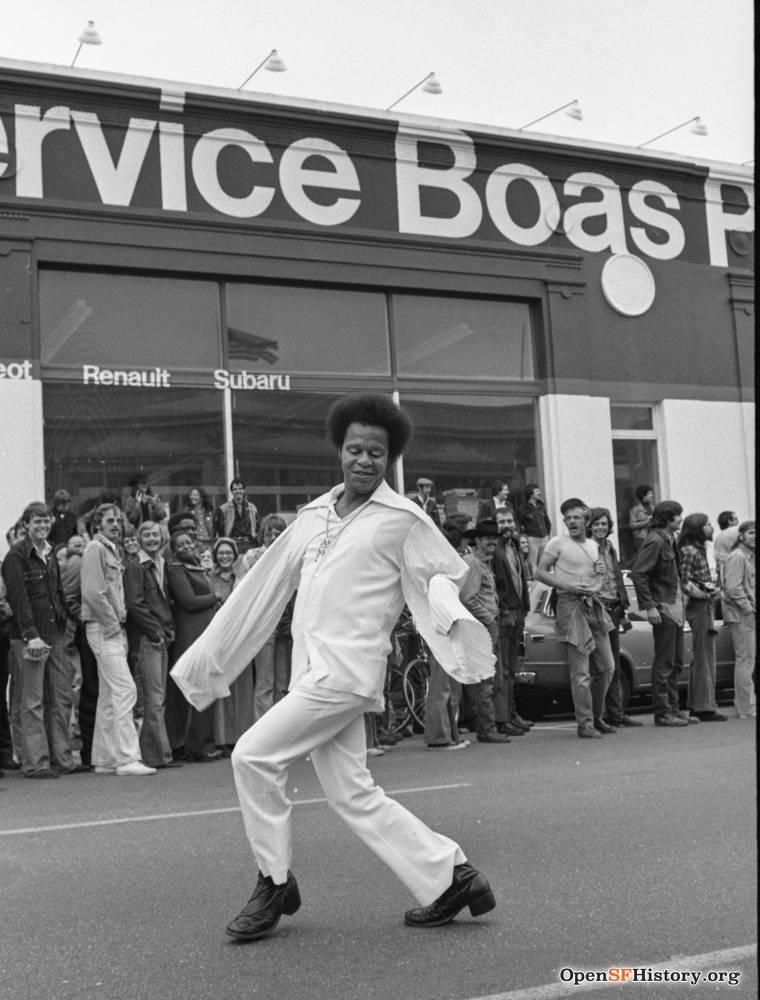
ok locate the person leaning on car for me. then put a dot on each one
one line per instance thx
(655, 576)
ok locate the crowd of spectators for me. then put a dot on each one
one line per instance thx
(95, 608)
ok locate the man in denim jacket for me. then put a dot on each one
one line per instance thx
(658, 589)
(42, 691)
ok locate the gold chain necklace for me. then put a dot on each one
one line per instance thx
(329, 539)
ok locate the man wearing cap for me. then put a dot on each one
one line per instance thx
(480, 597)
(426, 500)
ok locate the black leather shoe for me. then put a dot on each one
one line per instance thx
(710, 716)
(262, 912)
(518, 720)
(494, 737)
(624, 720)
(468, 888)
(588, 732)
(510, 729)
(207, 757)
(602, 727)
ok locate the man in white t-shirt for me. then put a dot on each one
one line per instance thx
(572, 565)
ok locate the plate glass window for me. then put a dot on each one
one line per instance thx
(463, 338)
(284, 328)
(125, 320)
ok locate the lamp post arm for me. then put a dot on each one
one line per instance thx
(398, 101)
(251, 76)
(548, 114)
(663, 134)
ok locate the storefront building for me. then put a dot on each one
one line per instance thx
(190, 277)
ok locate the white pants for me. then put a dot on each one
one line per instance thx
(329, 725)
(114, 739)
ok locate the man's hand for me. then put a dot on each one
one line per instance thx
(36, 649)
(654, 617)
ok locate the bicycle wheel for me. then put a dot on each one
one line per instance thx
(396, 714)
(416, 682)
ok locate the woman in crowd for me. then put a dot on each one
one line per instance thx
(199, 505)
(234, 714)
(699, 590)
(525, 549)
(739, 613)
(194, 604)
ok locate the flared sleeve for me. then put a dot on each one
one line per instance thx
(432, 574)
(243, 624)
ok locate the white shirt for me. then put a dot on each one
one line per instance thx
(349, 599)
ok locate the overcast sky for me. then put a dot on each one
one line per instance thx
(637, 67)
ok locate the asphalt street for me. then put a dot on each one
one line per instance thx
(624, 851)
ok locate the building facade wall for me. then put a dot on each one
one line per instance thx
(634, 274)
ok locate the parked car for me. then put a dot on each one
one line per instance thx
(543, 680)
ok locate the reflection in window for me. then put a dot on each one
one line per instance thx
(464, 442)
(631, 418)
(475, 338)
(307, 330)
(98, 438)
(281, 449)
(635, 465)
(123, 319)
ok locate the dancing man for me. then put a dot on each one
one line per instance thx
(355, 556)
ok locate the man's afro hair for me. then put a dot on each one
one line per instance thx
(377, 411)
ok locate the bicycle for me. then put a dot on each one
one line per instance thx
(406, 683)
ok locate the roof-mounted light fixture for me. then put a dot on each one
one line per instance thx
(88, 37)
(430, 84)
(698, 127)
(273, 63)
(572, 109)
